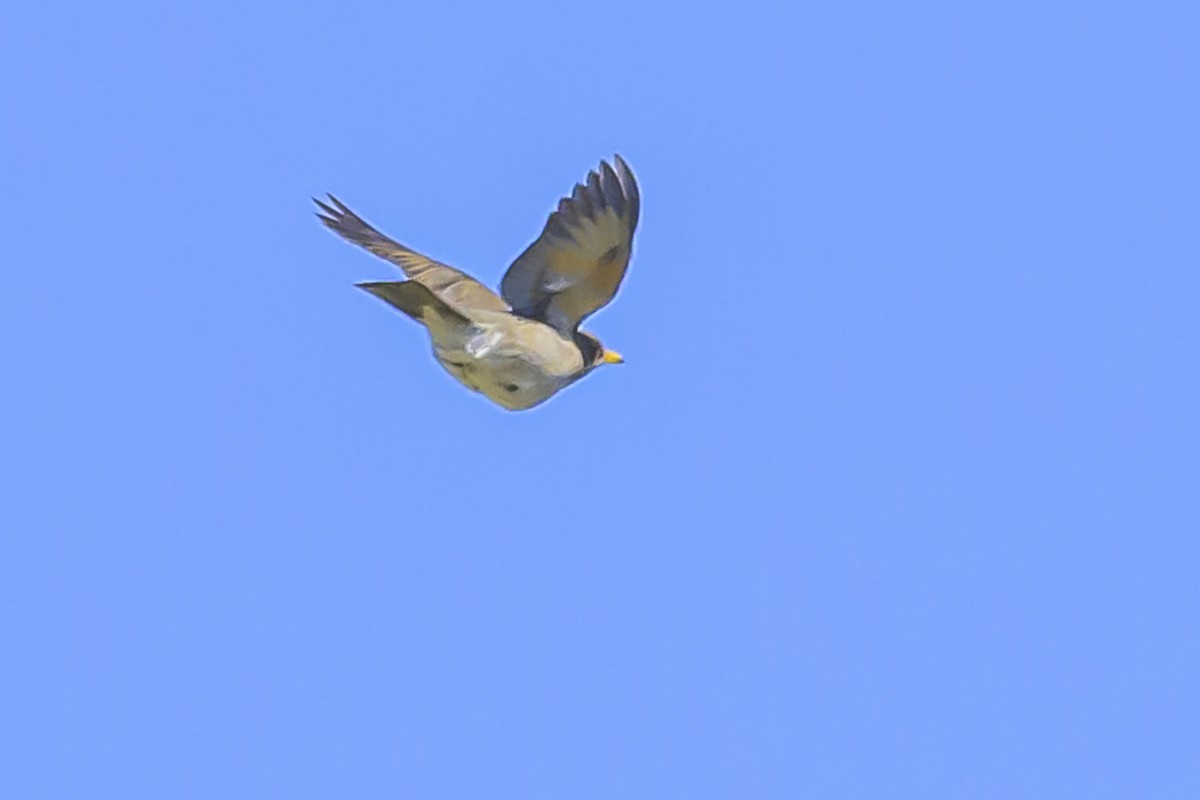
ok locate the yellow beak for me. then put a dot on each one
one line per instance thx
(612, 357)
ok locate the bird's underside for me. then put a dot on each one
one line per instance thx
(521, 348)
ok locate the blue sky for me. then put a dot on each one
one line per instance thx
(896, 495)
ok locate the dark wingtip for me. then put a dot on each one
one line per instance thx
(610, 186)
(595, 192)
(341, 206)
(629, 184)
(330, 211)
(581, 200)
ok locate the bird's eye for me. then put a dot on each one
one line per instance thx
(511, 387)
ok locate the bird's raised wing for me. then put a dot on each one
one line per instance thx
(578, 262)
(448, 283)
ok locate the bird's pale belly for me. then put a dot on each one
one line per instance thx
(510, 382)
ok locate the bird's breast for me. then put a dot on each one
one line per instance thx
(508, 381)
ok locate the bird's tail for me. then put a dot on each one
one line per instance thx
(416, 300)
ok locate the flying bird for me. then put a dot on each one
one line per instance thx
(522, 346)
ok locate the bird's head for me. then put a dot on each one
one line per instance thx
(594, 353)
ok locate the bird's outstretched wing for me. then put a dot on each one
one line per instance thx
(578, 262)
(449, 284)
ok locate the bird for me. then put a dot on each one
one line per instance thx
(522, 346)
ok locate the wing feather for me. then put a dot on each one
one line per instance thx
(578, 262)
(447, 283)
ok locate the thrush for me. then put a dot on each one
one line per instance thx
(522, 346)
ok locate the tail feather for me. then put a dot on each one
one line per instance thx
(416, 300)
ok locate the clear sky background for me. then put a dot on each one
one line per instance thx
(898, 494)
